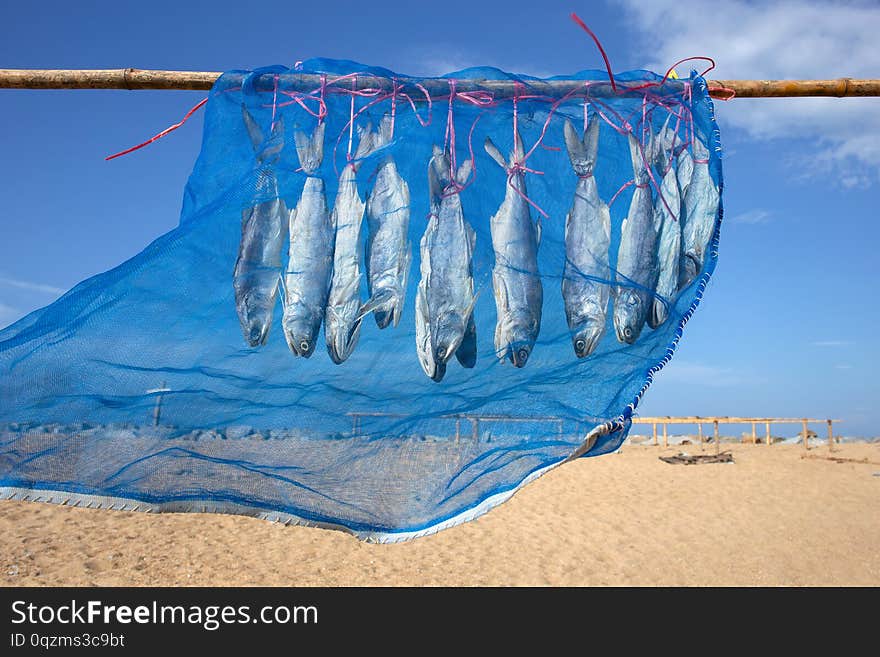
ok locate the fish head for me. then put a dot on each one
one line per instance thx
(586, 338)
(301, 336)
(446, 335)
(629, 315)
(256, 317)
(521, 341)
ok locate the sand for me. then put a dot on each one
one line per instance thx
(772, 518)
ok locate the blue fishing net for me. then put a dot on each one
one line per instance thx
(381, 311)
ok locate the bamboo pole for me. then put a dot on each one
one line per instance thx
(700, 432)
(806, 436)
(717, 439)
(665, 437)
(133, 78)
(830, 436)
(655, 434)
(754, 434)
(769, 439)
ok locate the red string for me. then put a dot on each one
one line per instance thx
(161, 134)
(586, 29)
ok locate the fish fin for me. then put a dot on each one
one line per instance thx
(310, 150)
(519, 151)
(435, 184)
(383, 134)
(372, 304)
(591, 139)
(471, 236)
(253, 130)
(398, 309)
(501, 305)
(464, 172)
(494, 153)
(318, 143)
(366, 142)
(467, 350)
(640, 169)
(576, 151)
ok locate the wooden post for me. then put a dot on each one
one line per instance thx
(700, 432)
(806, 440)
(717, 440)
(754, 434)
(666, 438)
(830, 436)
(769, 440)
(655, 434)
(131, 78)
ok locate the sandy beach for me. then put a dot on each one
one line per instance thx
(771, 518)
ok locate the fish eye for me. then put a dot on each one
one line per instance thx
(580, 345)
(304, 345)
(627, 332)
(523, 353)
(441, 352)
(633, 300)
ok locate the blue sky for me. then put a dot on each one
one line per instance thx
(787, 326)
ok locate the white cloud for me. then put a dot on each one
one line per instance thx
(31, 287)
(680, 371)
(750, 217)
(843, 367)
(792, 39)
(830, 343)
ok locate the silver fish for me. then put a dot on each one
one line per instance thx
(389, 252)
(445, 297)
(667, 211)
(342, 322)
(700, 212)
(516, 280)
(587, 238)
(637, 255)
(434, 369)
(307, 280)
(258, 267)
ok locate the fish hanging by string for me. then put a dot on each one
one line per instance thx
(342, 322)
(258, 267)
(637, 255)
(445, 297)
(585, 283)
(667, 209)
(389, 252)
(307, 280)
(700, 213)
(516, 280)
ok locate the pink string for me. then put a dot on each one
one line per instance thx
(166, 131)
(584, 27)
(274, 101)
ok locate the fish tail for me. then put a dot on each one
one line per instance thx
(310, 150)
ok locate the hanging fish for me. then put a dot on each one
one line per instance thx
(445, 296)
(258, 266)
(389, 252)
(585, 289)
(700, 211)
(342, 322)
(667, 210)
(637, 255)
(307, 280)
(515, 277)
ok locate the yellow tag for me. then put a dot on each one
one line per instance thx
(673, 75)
